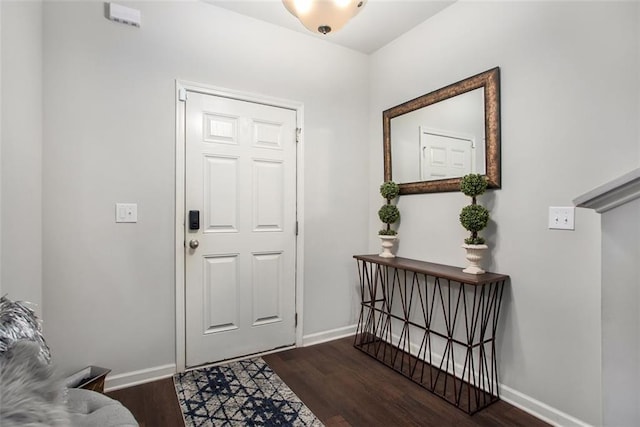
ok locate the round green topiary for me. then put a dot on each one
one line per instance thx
(474, 218)
(389, 190)
(389, 214)
(473, 184)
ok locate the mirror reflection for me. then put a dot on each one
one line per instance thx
(430, 142)
(443, 140)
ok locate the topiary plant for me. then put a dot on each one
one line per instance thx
(474, 217)
(389, 213)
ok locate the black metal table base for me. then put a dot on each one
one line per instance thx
(434, 327)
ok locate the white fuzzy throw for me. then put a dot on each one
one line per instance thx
(19, 322)
(31, 394)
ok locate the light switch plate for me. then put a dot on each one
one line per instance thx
(562, 218)
(126, 212)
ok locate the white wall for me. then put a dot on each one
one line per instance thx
(620, 318)
(569, 87)
(110, 137)
(21, 167)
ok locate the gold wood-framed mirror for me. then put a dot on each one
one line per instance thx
(430, 142)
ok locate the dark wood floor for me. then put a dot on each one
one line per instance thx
(343, 387)
(153, 404)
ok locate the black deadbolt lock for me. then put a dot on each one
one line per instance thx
(194, 220)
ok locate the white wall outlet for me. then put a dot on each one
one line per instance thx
(562, 218)
(126, 212)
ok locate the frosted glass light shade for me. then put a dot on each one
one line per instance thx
(324, 16)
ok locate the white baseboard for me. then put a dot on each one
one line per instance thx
(538, 409)
(142, 376)
(330, 335)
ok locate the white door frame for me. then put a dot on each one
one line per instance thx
(181, 87)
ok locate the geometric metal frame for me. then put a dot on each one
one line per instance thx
(418, 318)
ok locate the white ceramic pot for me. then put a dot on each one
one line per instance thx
(475, 253)
(387, 244)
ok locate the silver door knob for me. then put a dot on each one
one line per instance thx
(193, 244)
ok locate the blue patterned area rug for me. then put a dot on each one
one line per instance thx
(243, 393)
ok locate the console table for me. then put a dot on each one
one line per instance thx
(433, 324)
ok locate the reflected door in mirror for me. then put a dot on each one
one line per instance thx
(446, 155)
(442, 140)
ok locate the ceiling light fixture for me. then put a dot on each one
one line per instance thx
(324, 16)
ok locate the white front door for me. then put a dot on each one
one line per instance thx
(240, 179)
(444, 155)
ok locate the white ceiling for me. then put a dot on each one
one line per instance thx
(380, 22)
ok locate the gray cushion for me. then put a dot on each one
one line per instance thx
(91, 409)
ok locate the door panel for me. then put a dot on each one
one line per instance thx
(240, 279)
(221, 201)
(220, 288)
(267, 271)
(268, 200)
(268, 135)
